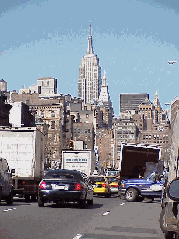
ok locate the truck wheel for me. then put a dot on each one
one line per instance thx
(40, 202)
(132, 195)
(27, 197)
(169, 235)
(9, 199)
(33, 198)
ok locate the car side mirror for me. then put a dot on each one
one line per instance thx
(155, 179)
(173, 190)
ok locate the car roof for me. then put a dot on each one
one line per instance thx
(63, 170)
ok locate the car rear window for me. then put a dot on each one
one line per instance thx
(60, 174)
(100, 179)
(112, 179)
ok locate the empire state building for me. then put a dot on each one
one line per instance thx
(89, 81)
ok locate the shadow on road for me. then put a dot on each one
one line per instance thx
(72, 205)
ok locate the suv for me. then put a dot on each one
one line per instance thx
(6, 186)
(137, 189)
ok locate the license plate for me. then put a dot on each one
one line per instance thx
(60, 187)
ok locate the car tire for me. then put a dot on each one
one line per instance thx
(90, 202)
(9, 199)
(132, 195)
(40, 202)
(82, 203)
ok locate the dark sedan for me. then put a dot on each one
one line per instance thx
(61, 185)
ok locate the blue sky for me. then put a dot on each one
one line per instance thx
(133, 39)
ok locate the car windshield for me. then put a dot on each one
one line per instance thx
(60, 174)
(151, 177)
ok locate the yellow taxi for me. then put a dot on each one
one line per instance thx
(101, 187)
(113, 183)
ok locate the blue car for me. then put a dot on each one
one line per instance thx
(137, 189)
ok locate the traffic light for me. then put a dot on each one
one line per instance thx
(71, 144)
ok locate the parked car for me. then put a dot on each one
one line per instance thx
(6, 184)
(137, 189)
(113, 184)
(61, 185)
(102, 187)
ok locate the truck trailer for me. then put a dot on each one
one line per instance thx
(23, 148)
(139, 160)
(80, 160)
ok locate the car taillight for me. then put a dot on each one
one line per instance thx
(114, 186)
(77, 186)
(43, 185)
(104, 185)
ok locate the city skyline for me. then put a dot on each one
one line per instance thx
(134, 40)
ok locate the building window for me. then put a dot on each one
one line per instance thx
(52, 113)
(47, 83)
(53, 125)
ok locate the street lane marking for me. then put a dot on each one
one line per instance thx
(122, 204)
(9, 209)
(78, 236)
(106, 213)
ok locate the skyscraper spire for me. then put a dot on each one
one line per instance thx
(90, 44)
(90, 29)
(104, 79)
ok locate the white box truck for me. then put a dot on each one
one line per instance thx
(23, 148)
(80, 160)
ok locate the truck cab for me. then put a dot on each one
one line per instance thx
(138, 188)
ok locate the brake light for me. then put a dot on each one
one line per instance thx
(114, 186)
(43, 185)
(77, 186)
(104, 185)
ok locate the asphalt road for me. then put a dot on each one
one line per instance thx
(108, 218)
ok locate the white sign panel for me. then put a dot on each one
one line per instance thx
(80, 161)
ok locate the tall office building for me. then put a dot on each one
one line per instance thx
(131, 102)
(89, 81)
